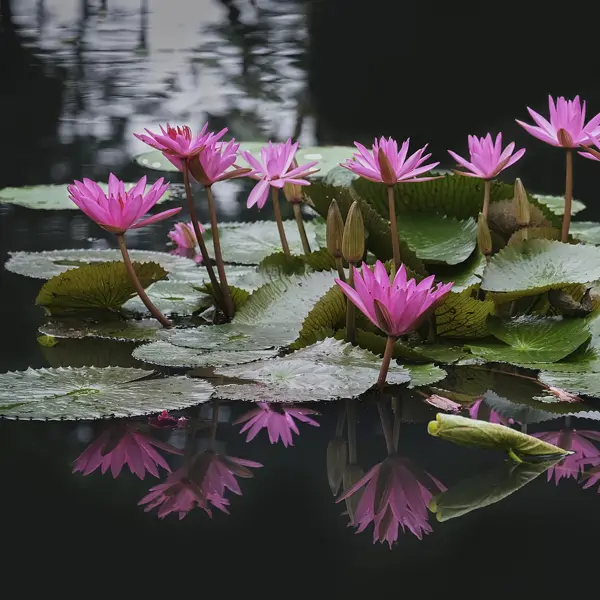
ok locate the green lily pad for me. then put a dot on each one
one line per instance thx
(464, 276)
(438, 239)
(535, 266)
(104, 286)
(326, 370)
(279, 264)
(532, 233)
(578, 383)
(557, 204)
(586, 231)
(167, 355)
(171, 298)
(122, 331)
(47, 264)
(53, 197)
(154, 159)
(339, 176)
(485, 489)
(462, 316)
(471, 432)
(92, 393)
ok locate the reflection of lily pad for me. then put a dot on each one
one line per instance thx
(90, 352)
(50, 197)
(47, 264)
(128, 331)
(586, 231)
(168, 355)
(531, 267)
(438, 239)
(471, 432)
(91, 393)
(324, 371)
(170, 297)
(557, 204)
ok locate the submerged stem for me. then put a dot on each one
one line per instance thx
(350, 312)
(351, 415)
(387, 358)
(138, 286)
(397, 420)
(394, 228)
(487, 192)
(566, 224)
(277, 211)
(301, 229)
(228, 301)
(387, 430)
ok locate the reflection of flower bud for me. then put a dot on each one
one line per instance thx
(335, 230)
(484, 237)
(353, 240)
(337, 455)
(352, 474)
(521, 204)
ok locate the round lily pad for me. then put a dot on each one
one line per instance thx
(93, 393)
(557, 204)
(170, 297)
(586, 231)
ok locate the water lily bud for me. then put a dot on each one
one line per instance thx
(521, 204)
(335, 230)
(484, 237)
(388, 175)
(197, 171)
(353, 240)
(564, 138)
(292, 193)
(352, 474)
(337, 456)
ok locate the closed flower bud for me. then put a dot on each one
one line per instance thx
(335, 230)
(353, 240)
(521, 204)
(292, 193)
(484, 237)
(388, 175)
(337, 456)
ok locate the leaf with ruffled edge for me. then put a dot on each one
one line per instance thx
(556, 204)
(586, 231)
(462, 316)
(171, 298)
(122, 331)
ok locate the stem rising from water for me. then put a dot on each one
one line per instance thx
(301, 229)
(566, 224)
(387, 358)
(277, 211)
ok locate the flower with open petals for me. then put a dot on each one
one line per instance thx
(487, 157)
(384, 163)
(179, 143)
(397, 493)
(118, 446)
(398, 307)
(567, 127)
(277, 419)
(214, 163)
(583, 450)
(120, 209)
(275, 168)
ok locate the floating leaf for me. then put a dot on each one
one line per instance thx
(532, 233)
(556, 204)
(533, 340)
(171, 298)
(340, 176)
(92, 393)
(128, 331)
(471, 432)
(578, 383)
(52, 197)
(154, 159)
(586, 231)
(535, 266)
(464, 276)
(438, 239)
(462, 316)
(47, 264)
(98, 286)
(324, 371)
(485, 489)
(280, 264)
(168, 355)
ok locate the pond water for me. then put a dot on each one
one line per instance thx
(85, 76)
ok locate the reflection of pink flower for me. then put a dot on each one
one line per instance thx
(164, 419)
(278, 420)
(443, 403)
(478, 409)
(117, 446)
(201, 483)
(397, 493)
(577, 442)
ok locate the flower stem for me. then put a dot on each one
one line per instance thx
(199, 237)
(487, 192)
(301, 229)
(566, 224)
(340, 269)
(387, 358)
(341, 420)
(138, 286)
(394, 228)
(350, 313)
(277, 211)
(228, 301)
(387, 430)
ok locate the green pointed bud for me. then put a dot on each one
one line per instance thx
(335, 230)
(521, 204)
(353, 240)
(484, 237)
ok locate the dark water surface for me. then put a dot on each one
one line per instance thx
(80, 79)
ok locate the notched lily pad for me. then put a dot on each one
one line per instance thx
(586, 231)
(557, 204)
(464, 276)
(92, 393)
(123, 331)
(462, 316)
(171, 298)
(578, 383)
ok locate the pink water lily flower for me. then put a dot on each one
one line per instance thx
(487, 157)
(384, 163)
(567, 127)
(397, 307)
(479, 410)
(397, 494)
(443, 403)
(277, 419)
(179, 143)
(214, 163)
(166, 420)
(275, 168)
(120, 209)
(183, 236)
(118, 446)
